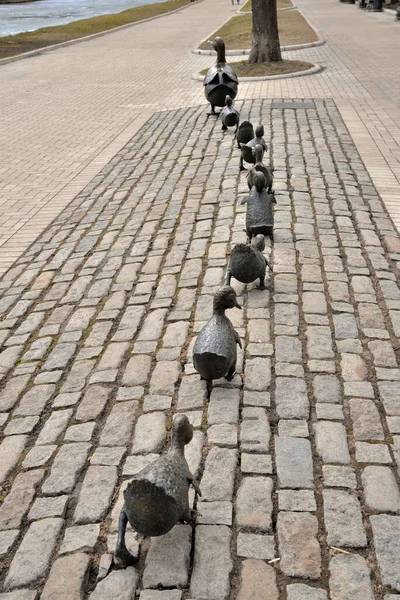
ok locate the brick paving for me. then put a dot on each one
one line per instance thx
(297, 457)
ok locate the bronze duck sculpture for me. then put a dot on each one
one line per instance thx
(245, 133)
(248, 263)
(214, 353)
(158, 496)
(220, 80)
(259, 166)
(247, 149)
(229, 115)
(259, 216)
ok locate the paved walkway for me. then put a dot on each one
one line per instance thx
(298, 457)
(54, 142)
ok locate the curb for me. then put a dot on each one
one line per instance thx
(319, 42)
(315, 69)
(87, 38)
(248, 12)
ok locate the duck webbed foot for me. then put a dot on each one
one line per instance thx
(224, 128)
(262, 284)
(241, 166)
(121, 551)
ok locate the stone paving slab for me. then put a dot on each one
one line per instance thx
(98, 323)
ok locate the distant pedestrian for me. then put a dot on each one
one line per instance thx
(233, 2)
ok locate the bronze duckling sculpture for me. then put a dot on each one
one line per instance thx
(248, 263)
(229, 115)
(220, 80)
(247, 149)
(245, 133)
(214, 353)
(259, 216)
(158, 496)
(259, 166)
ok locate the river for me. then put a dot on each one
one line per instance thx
(15, 18)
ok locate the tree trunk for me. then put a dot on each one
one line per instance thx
(265, 44)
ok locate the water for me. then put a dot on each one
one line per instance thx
(15, 18)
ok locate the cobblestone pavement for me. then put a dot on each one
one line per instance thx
(298, 457)
(55, 141)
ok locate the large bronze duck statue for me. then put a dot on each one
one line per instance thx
(247, 149)
(214, 353)
(248, 263)
(229, 115)
(220, 80)
(259, 166)
(158, 496)
(259, 216)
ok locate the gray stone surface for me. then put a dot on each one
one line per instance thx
(54, 426)
(252, 545)
(18, 500)
(350, 578)
(300, 591)
(299, 549)
(257, 374)
(212, 562)
(81, 538)
(386, 532)
(7, 538)
(150, 433)
(291, 398)
(294, 463)
(48, 507)
(160, 595)
(254, 503)
(223, 406)
(366, 421)
(331, 442)
(297, 500)
(10, 451)
(381, 489)
(32, 558)
(214, 513)
(118, 427)
(326, 388)
(343, 519)
(93, 403)
(167, 561)
(67, 577)
(96, 494)
(257, 580)
(67, 465)
(219, 475)
(118, 585)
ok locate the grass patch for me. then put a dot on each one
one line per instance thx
(280, 4)
(292, 26)
(33, 40)
(244, 69)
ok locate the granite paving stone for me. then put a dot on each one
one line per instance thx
(212, 562)
(167, 561)
(350, 578)
(32, 558)
(67, 578)
(385, 529)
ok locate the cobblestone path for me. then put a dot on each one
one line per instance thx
(297, 457)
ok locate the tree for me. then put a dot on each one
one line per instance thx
(265, 43)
